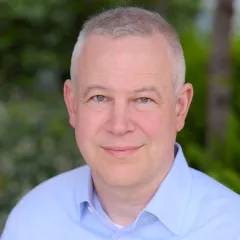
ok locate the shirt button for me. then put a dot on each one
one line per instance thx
(90, 210)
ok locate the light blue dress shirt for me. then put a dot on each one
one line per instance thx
(188, 205)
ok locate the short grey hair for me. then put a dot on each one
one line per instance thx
(133, 21)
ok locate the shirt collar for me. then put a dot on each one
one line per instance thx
(86, 193)
(170, 201)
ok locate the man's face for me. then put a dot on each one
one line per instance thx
(124, 110)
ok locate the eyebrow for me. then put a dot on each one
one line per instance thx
(94, 87)
(148, 89)
(140, 90)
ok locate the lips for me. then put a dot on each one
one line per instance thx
(121, 151)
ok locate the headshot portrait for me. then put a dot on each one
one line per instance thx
(127, 99)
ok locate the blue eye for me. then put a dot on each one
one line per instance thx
(144, 100)
(99, 98)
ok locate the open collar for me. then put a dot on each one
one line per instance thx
(170, 201)
(85, 195)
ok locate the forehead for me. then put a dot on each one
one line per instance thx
(131, 59)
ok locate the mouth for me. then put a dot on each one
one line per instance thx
(121, 151)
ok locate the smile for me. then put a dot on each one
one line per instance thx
(121, 152)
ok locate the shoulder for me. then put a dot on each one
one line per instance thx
(213, 203)
(56, 197)
(61, 186)
(207, 188)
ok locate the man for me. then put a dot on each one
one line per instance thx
(126, 101)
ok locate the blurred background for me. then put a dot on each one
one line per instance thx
(36, 42)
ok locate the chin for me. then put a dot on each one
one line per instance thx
(121, 178)
(120, 172)
(122, 182)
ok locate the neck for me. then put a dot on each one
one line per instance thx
(123, 204)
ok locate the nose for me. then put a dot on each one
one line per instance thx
(120, 121)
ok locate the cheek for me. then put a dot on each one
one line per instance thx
(89, 122)
(156, 124)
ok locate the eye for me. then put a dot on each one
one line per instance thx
(144, 100)
(99, 98)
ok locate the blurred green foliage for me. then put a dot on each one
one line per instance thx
(226, 166)
(36, 141)
(39, 35)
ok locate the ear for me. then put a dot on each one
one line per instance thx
(183, 103)
(70, 101)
